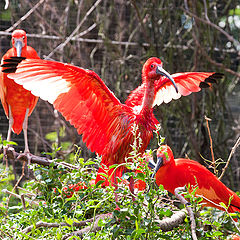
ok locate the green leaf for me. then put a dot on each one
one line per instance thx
(217, 233)
(52, 136)
(235, 11)
(113, 166)
(140, 176)
(68, 220)
(5, 143)
(99, 183)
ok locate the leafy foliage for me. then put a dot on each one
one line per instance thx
(138, 219)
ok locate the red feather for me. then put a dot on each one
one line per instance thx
(83, 99)
(181, 172)
(12, 95)
(186, 83)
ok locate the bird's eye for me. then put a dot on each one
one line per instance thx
(23, 38)
(152, 66)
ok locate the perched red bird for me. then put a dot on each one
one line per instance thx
(173, 173)
(18, 103)
(105, 123)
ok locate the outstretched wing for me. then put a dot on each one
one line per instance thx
(187, 83)
(79, 94)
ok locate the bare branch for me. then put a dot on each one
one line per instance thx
(189, 210)
(36, 159)
(229, 37)
(31, 202)
(166, 224)
(25, 16)
(230, 156)
(62, 45)
(219, 206)
(211, 146)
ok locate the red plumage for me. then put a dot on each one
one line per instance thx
(83, 99)
(13, 96)
(181, 172)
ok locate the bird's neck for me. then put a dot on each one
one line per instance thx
(148, 96)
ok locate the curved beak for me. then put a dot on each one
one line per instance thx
(156, 166)
(18, 46)
(161, 71)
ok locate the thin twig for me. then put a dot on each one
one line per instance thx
(19, 197)
(36, 159)
(219, 206)
(62, 45)
(23, 201)
(229, 37)
(101, 41)
(220, 65)
(230, 156)
(22, 175)
(205, 10)
(211, 145)
(189, 210)
(6, 233)
(25, 16)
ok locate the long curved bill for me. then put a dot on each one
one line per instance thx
(161, 71)
(156, 166)
(18, 45)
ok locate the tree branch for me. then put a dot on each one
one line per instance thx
(189, 210)
(25, 16)
(229, 37)
(211, 146)
(166, 224)
(230, 156)
(35, 159)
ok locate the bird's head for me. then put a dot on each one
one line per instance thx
(19, 40)
(153, 70)
(164, 156)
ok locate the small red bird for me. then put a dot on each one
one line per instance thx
(173, 173)
(105, 123)
(18, 103)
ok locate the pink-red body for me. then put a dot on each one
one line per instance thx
(181, 172)
(12, 94)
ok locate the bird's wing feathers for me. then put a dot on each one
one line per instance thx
(208, 184)
(187, 83)
(164, 90)
(3, 89)
(79, 94)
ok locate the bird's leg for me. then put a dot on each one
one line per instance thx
(25, 126)
(10, 124)
(26, 150)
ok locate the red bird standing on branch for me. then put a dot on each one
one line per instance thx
(18, 103)
(104, 122)
(173, 173)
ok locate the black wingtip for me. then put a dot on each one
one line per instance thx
(204, 85)
(214, 78)
(10, 64)
(9, 70)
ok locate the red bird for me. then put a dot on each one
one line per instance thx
(173, 173)
(18, 103)
(105, 123)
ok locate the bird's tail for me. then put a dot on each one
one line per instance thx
(235, 203)
(18, 124)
